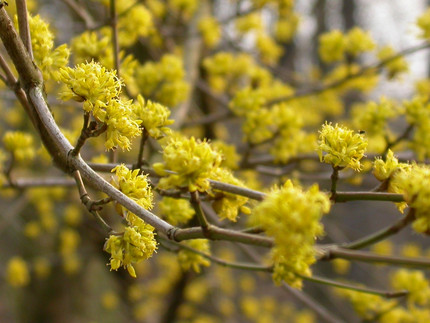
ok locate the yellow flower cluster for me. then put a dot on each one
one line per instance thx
(69, 242)
(384, 169)
(154, 117)
(20, 144)
(17, 273)
(261, 123)
(192, 161)
(188, 259)
(286, 27)
(135, 186)
(137, 243)
(354, 78)
(373, 116)
(163, 81)
(394, 67)
(413, 181)
(368, 306)
(418, 114)
(268, 50)
(176, 211)
(334, 45)
(230, 72)
(292, 217)
(341, 147)
(134, 23)
(89, 46)
(423, 23)
(48, 59)
(249, 22)
(415, 283)
(227, 205)
(185, 8)
(210, 30)
(99, 89)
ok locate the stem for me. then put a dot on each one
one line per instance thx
(381, 234)
(334, 178)
(81, 13)
(361, 72)
(84, 135)
(315, 279)
(201, 217)
(365, 256)
(367, 196)
(222, 262)
(336, 284)
(404, 135)
(217, 233)
(86, 200)
(24, 29)
(143, 139)
(114, 25)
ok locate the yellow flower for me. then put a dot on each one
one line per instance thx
(176, 211)
(17, 274)
(135, 186)
(154, 117)
(292, 217)
(189, 259)
(192, 162)
(341, 147)
(163, 81)
(137, 243)
(384, 169)
(394, 67)
(268, 50)
(20, 144)
(358, 41)
(423, 23)
(415, 283)
(286, 27)
(210, 30)
(332, 46)
(92, 84)
(227, 205)
(413, 181)
(48, 59)
(100, 89)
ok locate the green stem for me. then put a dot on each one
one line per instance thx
(365, 256)
(333, 283)
(334, 178)
(381, 234)
(367, 196)
(143, 139)
(201, 217)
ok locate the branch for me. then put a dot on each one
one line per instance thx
(381, 234)
(82, 13)
(24, 29)
(368, 196)
(365, 256)
(377, 66)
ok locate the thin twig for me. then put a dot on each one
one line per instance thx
(377, 66)
(381, 234)
(143, 139)
(24, 28)
(365, 256)
(82, 13)
(201, 217)
(89, 204)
